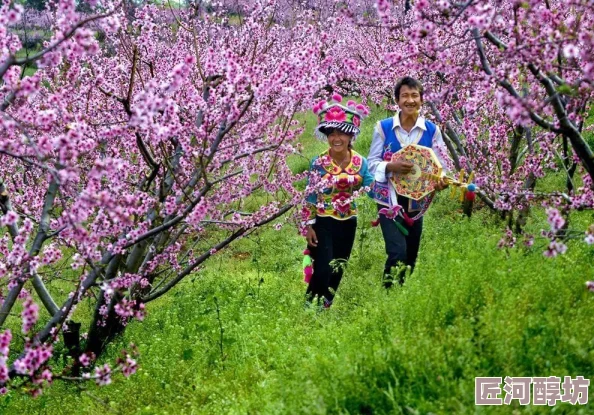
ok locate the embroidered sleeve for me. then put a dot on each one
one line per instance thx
(366, 174)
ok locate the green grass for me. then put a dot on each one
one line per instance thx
(469, 310)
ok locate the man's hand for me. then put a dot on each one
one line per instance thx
(400, 167)
(441, 184)
(311, 237)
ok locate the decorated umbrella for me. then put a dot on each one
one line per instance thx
(419, 184)
(426, 172)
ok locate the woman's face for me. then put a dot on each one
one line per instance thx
(339, 141)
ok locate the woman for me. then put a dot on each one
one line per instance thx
(336, 177)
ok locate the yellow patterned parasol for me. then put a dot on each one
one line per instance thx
(427, 170)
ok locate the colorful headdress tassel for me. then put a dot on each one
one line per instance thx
(470, 192)
(391, 214)
(467, 191)
(469, 197)
(401, 228)
(307, 267)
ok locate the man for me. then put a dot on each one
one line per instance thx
(390, 135)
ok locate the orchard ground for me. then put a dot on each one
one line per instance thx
(234, 337)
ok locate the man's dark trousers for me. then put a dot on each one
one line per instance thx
(400, 249)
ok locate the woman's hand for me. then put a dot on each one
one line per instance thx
(400, 167)
(311, 237)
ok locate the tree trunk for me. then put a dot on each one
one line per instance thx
(104, 328)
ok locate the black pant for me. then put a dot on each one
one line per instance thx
(335, 242)
(400, 249)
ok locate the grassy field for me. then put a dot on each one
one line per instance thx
(235, 339)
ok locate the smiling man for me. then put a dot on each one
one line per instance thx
(402, 240)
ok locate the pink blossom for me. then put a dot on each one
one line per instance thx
(30, 314)
(5, 338)
(554, 249)
(84, 359)
(129, 366)
(8, 219)
(33, 358)
(14, 14)
(508, 240)
(571, 51)
(103, 375)
(555, 219)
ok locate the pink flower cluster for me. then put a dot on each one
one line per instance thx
(555, 219)
(103, 375)
(127, 365)
(508, 240)
(127, 309)
(34, 357)
(30, 314)
(555, 248)
(5, 338)
(86, 359)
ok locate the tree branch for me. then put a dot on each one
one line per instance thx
(12, 60)
(503, 82)
(41, 236)
(188, 270)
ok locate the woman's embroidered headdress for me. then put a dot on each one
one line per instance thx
(333, 115)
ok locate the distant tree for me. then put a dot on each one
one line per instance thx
(35, 4)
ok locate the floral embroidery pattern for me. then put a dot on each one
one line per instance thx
(341, 203)
(388, 153)
(336, 200)
(335, 114)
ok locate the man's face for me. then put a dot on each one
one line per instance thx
(409, 101)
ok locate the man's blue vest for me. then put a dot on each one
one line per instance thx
(381, 191)
(391, 142)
